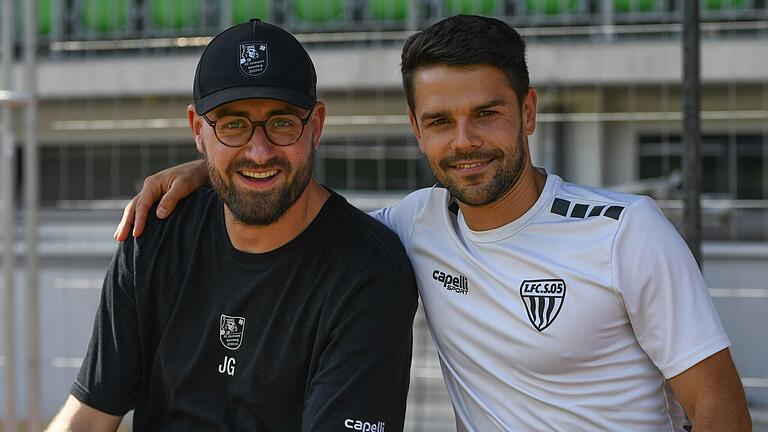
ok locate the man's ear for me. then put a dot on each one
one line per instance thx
(415, 128)
(196, 125)
(316, 122)
(529, 111)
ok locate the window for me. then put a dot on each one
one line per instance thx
(733, 166)
(96, 172)
(373, 164)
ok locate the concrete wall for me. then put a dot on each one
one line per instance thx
(377, 67)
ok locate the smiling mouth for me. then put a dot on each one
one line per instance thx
(259, 175)
(472, 167)
(467, 165)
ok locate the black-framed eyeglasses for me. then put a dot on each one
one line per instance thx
(280, 129)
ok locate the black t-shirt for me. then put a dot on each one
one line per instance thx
(195, 335)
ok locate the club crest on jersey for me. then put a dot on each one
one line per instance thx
(543, 299)
(231, 330)
(253, 58)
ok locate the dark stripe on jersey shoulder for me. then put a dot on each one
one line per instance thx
(596, 210)
(579, 211)
(453, 206)
(614, 212)
(560, 206)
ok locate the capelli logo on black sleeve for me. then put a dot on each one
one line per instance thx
(364, 426)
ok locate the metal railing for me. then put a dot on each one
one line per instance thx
(137, 20)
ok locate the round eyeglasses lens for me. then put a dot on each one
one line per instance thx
(284, 129)
(233, 131)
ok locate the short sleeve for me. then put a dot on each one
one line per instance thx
(111, 374)
(664, 293)
(364, 369)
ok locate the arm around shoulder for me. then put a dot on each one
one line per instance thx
(76, 416)
(169, 186)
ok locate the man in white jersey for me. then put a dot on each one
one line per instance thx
(553, 306)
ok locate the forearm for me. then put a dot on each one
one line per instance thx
(712, 395)
(718, 414)
(198, 172)
(169, 186)
(75, 416)
(78, 424)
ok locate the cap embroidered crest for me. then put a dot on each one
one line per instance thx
(253, 58)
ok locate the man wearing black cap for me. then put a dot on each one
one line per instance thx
(265, 304)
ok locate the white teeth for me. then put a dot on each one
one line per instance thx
(259, 175)
(468, 165)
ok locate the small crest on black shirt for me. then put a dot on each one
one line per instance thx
(231, 330)
(543, 299)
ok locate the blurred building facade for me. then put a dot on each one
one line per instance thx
(115, 77)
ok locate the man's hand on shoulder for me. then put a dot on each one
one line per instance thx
(172, 184)
(76, 416)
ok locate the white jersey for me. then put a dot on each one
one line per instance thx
(568, 318)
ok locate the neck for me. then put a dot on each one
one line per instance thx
(261, 239)
(517, 200)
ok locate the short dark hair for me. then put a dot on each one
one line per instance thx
(464, 40)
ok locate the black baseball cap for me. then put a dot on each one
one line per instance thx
(254, 60)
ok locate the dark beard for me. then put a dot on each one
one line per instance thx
(506, 176)
(260, 208)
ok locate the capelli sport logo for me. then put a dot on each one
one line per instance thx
(458, 284)
(364, 426)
